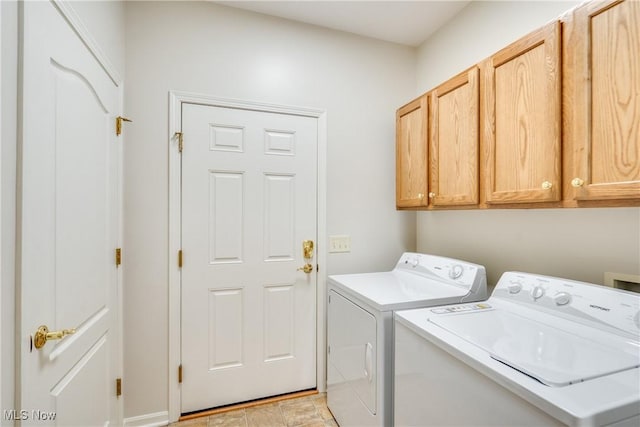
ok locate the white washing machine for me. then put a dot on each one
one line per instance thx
(541, 351)
(360, 328)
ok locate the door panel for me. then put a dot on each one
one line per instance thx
(518, 84)
(615, 120)
(90, 373)
(279, 322)
(88, 220)
(68, 225)
(225, 328)
(411, 154)
(455, 141)
(522, 120)
(352, 338)
(248, 201)
(226, 216)
(279, 209)
(601, 102)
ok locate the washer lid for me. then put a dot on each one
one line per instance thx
(552, 350)
(398, 290)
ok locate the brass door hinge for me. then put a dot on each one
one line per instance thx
(180, 374)
(180, 258)
(118, 387)
(180, 141)
(119, 121)
(118, 256)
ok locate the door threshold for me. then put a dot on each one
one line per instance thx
(249, 404)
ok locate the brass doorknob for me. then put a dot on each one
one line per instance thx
(307, 268)
(43, 335)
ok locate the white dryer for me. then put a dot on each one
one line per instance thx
(541, 351)
(360, 328)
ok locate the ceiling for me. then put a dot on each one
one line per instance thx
(404, 22)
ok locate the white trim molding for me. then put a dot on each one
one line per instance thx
(176, 100)
(2, 286)
(148, 420)
(84, 34)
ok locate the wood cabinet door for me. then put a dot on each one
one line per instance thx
(411, 154)
(602, 101)
(454, 141)
(522, 120)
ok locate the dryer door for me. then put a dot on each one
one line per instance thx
(352, 350)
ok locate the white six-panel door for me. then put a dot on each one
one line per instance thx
(68, 226)
(249, 196)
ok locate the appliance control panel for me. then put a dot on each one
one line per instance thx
(461, 273)
(461, 308)
(612, 307)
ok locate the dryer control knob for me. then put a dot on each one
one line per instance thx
(514, 287)
(562, 298)
(537, 292)
(456, 271)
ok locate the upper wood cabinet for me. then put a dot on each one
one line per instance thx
(454, 139)
(411, 154)
(522, 120)
(601, 101)
(552, 120)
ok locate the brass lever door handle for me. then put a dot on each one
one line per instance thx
(43, 335)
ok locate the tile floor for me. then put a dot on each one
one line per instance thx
(308, 411)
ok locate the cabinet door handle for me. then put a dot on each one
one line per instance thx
(577, 182)
(432, 195)
(547, 185)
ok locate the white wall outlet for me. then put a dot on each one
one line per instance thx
(339, 243)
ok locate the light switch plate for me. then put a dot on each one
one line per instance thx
(339, 243)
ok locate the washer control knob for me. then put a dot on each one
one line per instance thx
(413, 262)
(562, 298)
(514, 287)
(456, 271)
(537, 292)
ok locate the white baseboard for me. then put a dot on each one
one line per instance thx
(148, 420)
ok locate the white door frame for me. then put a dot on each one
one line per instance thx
(2, 337)
(176, 99)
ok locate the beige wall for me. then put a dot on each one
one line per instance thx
(211, 49)
(477, 31)
(580, 244)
